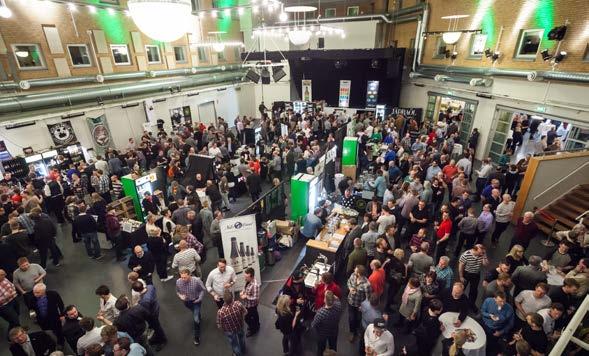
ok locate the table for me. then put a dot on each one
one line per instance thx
(476, 348)
(554, 278)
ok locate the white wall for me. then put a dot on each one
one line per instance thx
(123, 122)
(568, 101)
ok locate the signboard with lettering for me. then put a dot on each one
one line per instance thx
(415, 113)
(240, 246)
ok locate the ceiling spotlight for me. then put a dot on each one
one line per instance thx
(488, 52)
(451, 37)
(560, 56)
(5, 12)
(546, 55)
(227, 12)
(92, 9)
(110, 11)
(283, 17)
(240, 11)
(71, 6)
(214, 14)
(454, 55)
(557, 33)
(495, 55)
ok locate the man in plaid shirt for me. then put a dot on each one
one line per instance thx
(250, 296)
(359, 289)
(191, 290)
(103, 186)
(230, 321)
(9, 310)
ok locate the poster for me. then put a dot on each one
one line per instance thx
(371, 93)
(408, 113)
(62, 133)
(240, 245)
(307, 90)
(4, 154)
(344, 93)
(150, 111)
(100, 133)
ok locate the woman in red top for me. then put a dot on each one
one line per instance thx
(326, 283)
(377, 278)
(443, 231)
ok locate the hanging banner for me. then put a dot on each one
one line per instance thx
(344, 93)
(307, 90)
(62, 133)
(100, 133)
(371, 93)
(240, 245)
(408, 112)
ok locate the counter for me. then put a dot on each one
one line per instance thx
(330, 245)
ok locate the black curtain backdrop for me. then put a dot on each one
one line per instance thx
(359, 66)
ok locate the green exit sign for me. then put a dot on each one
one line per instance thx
(541, 109)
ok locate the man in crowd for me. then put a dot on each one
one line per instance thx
(230, 319)
(250, 296)
(191, 290)
(220, 279)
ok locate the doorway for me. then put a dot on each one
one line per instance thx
(207, 113)
(440, 106)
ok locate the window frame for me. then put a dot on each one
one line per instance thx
(473, 38)
(159, 54)
(183, 61)
(129, 62)
(221, 56)
(87, 51)
(329, 9)
(527, 57)
(353, 7)
(586, 54)
(439, 41)
(43, 65)
(204, 57)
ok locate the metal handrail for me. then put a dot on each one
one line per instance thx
(560, 180)
(549, 153)
(567, 334)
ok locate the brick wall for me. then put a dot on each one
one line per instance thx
(513, 16)
(29, 17)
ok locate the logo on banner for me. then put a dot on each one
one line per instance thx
(371, 93)
(408, 112)
(62, 133)
(344, 93)
(99, 130)
(307, 90)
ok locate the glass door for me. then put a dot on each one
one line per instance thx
(500, 133)
(467, 120)
(578, 138)
(430, 110)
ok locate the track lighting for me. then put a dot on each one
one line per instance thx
(452, 55)
(560, 56)
(546, 55)
(555, 59)
(495, 55)
(488, 52)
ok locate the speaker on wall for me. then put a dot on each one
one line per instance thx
(278, 73)
(321, 42)
(253, 76)
(265, 73)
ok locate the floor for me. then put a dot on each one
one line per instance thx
(79, 276)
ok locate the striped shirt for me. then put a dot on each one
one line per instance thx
(25, 221)
(252, 294)
(186, 259)
(472, 263)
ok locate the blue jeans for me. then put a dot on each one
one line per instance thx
(237, 342)
(91, 243)
(195, 307)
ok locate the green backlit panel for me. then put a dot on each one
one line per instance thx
(299, 196)
(113, 26)
(544, 18)
(350, 151)
(488, 25)
(130, 190)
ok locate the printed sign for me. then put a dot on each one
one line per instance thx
(371, 93)
(344, 93)
(62, 133)
(100, 133)
(408, 112)
(240, 245)
(307, 90)
(4, 154)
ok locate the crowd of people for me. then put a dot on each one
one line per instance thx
(405, 259)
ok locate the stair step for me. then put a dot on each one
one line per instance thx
(570, 208)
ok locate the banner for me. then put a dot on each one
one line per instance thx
(307, 90)
(100, 133)
(240, 245)
(344, 93)
(150, 111)
(371, 93)
(62, 133)
(4, 154)
(408, 112)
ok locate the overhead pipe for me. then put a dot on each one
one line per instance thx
(43, 82)
(24, 103)
(472, 81)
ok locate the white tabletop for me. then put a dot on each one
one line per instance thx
(554, 278)
(475, 348)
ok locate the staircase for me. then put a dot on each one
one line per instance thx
(564, 210)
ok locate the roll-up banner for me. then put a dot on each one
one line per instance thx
(307, 90)
(344, 93)
(240, 245)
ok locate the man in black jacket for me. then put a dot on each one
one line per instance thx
(143, 263)
(428, 331)
(49, 309)
(150, 203)
(131, 319)
(86, 226)
(456, 301)
(213, 193)
(254, 184)
(72, 330)
(22, 343)
(45, 232)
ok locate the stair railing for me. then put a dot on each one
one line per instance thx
(555, 184)
(568, 332)
(580, 217)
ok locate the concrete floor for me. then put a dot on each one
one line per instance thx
(77, 279)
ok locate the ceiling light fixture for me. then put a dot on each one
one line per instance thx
(22, 54)
(162, 20)
(452, 35)
(5, 11)
(71, 6)
(110, 11)
(240, 11)
(92, 9)
(227, 12)
(214, 13)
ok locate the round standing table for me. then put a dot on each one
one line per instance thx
(475, 348)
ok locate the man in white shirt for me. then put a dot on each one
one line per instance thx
(378, 340)
(107, 312)
(92, 335)
(220, 279)
(550, 316)
(531, 301)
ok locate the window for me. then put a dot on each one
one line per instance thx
(120, 54)
(180, 54)
(153, 54)
(440, 50)
(353, 11)
(477, 45)
(28, 56)
(202, 55)
(237, 53)
(528, 44)
(221, 56)
(330, 12)
(412, 43)
(79, 55)
(586, 55)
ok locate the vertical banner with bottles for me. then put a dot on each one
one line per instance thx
(240, 245)
(307, 90)
(344, 93)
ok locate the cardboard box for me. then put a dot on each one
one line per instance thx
(284, 226)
